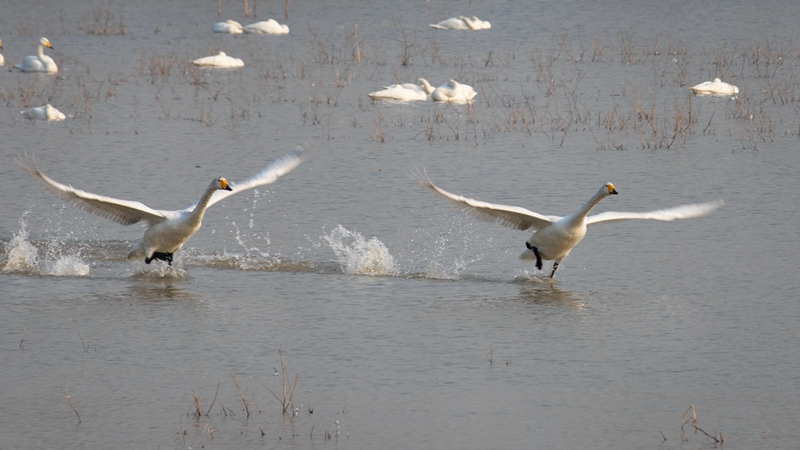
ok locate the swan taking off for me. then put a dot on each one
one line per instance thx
(267, 27)
(220, 60)
(404, 92)
(716, 87)
(453, 91)
(462, 23)
(229, 26)
(39, 62)
(46, 112)
(167, 230)
(554, 236)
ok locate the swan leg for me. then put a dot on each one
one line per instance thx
(538, 256)
(160, 255)
(555, 266)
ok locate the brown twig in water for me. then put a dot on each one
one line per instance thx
(696, 424)
(21, 341)
(85, 347)
(241, 393)
(69, 402)
(212, 401)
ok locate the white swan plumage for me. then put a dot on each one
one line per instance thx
(167, 231)
(229, 26)
(716, 87)
(462, 23)
(39, 62)
(404, 92)
(453, 91)
(46, 112)
(269, 26)
(219, 60)
(2, 60)
(554, 236)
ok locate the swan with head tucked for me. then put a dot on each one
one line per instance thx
(39, 62)
(404, 92)
(2, 60)
(453, 91)
(716, 87)
(229, 26)
(269, 26)
(462, 23)
(167, 231)
(554, 236)
(46, 112)
(219, 60)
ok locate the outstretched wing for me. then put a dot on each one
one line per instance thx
(269, 174)
(508, 216)
(668, 214)
(121, 211)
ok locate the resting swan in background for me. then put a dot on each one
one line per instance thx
(220, 60)
(167, 230)
(453, 91)
(46, 112)
(39, 62)
(2, 60)
(405, 92)
(716, 87)
(462, 23)
(229, 26)
(554, 236)
(269, 26)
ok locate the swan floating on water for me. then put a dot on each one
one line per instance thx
(462, 23)
(2, 60)
(453, 91)
(269, 26)
(405, 92)
(554, 237)
(39, 62)
(229, 26)
(716, 87)
(220, 60)
(167, 230)
(46, 112)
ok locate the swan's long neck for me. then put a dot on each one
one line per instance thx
(197, 215)
(425, 85)
(469, 22)
(41, 51)
(584, 210)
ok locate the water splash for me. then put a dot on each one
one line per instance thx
(358, 256)
(69, 266)
(21, 255)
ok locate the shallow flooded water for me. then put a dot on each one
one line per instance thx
(345, 306)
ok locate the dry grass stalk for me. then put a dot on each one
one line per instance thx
(694, 422)
(22, 340)
(287, 402)
(69, 402)
(242, 393)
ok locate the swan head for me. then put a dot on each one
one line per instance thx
(223, 184)
(1, 43)
(609, 189)
(222, 54)
(45, 42)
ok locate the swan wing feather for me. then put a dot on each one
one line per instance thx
(667, 214)
(121, 211)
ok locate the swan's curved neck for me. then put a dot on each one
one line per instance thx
(584, 210)
(202, 204)
(427, 86)
(41, 51)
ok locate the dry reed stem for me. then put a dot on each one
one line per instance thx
(69, 402)
(693, 421)
(241, 393)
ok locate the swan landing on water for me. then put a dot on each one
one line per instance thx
(554, 237)
(167, 231)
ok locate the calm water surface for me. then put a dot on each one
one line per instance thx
(408, 324)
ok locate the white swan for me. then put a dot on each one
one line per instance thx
(167, 230)
(716, 87)
(406, 91)
(554, 236)
(453, 91)
(220, 60)
(462, 23)
(39, 62)
(46, 112)
(267, 27)
(2, 60)
(229, 26)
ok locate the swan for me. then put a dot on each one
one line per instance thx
(267, 27)
(553, 236)
(716, 87)
(46, 112)
(453, 91)
(220, 60)
(39, 62)
(406, 91)
(2, 60)
(167, 231)
(229, 26)
(462, 23)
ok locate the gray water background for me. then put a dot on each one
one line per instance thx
(387, 302)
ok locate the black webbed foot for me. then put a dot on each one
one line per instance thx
(535, 252)
(160, 255)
